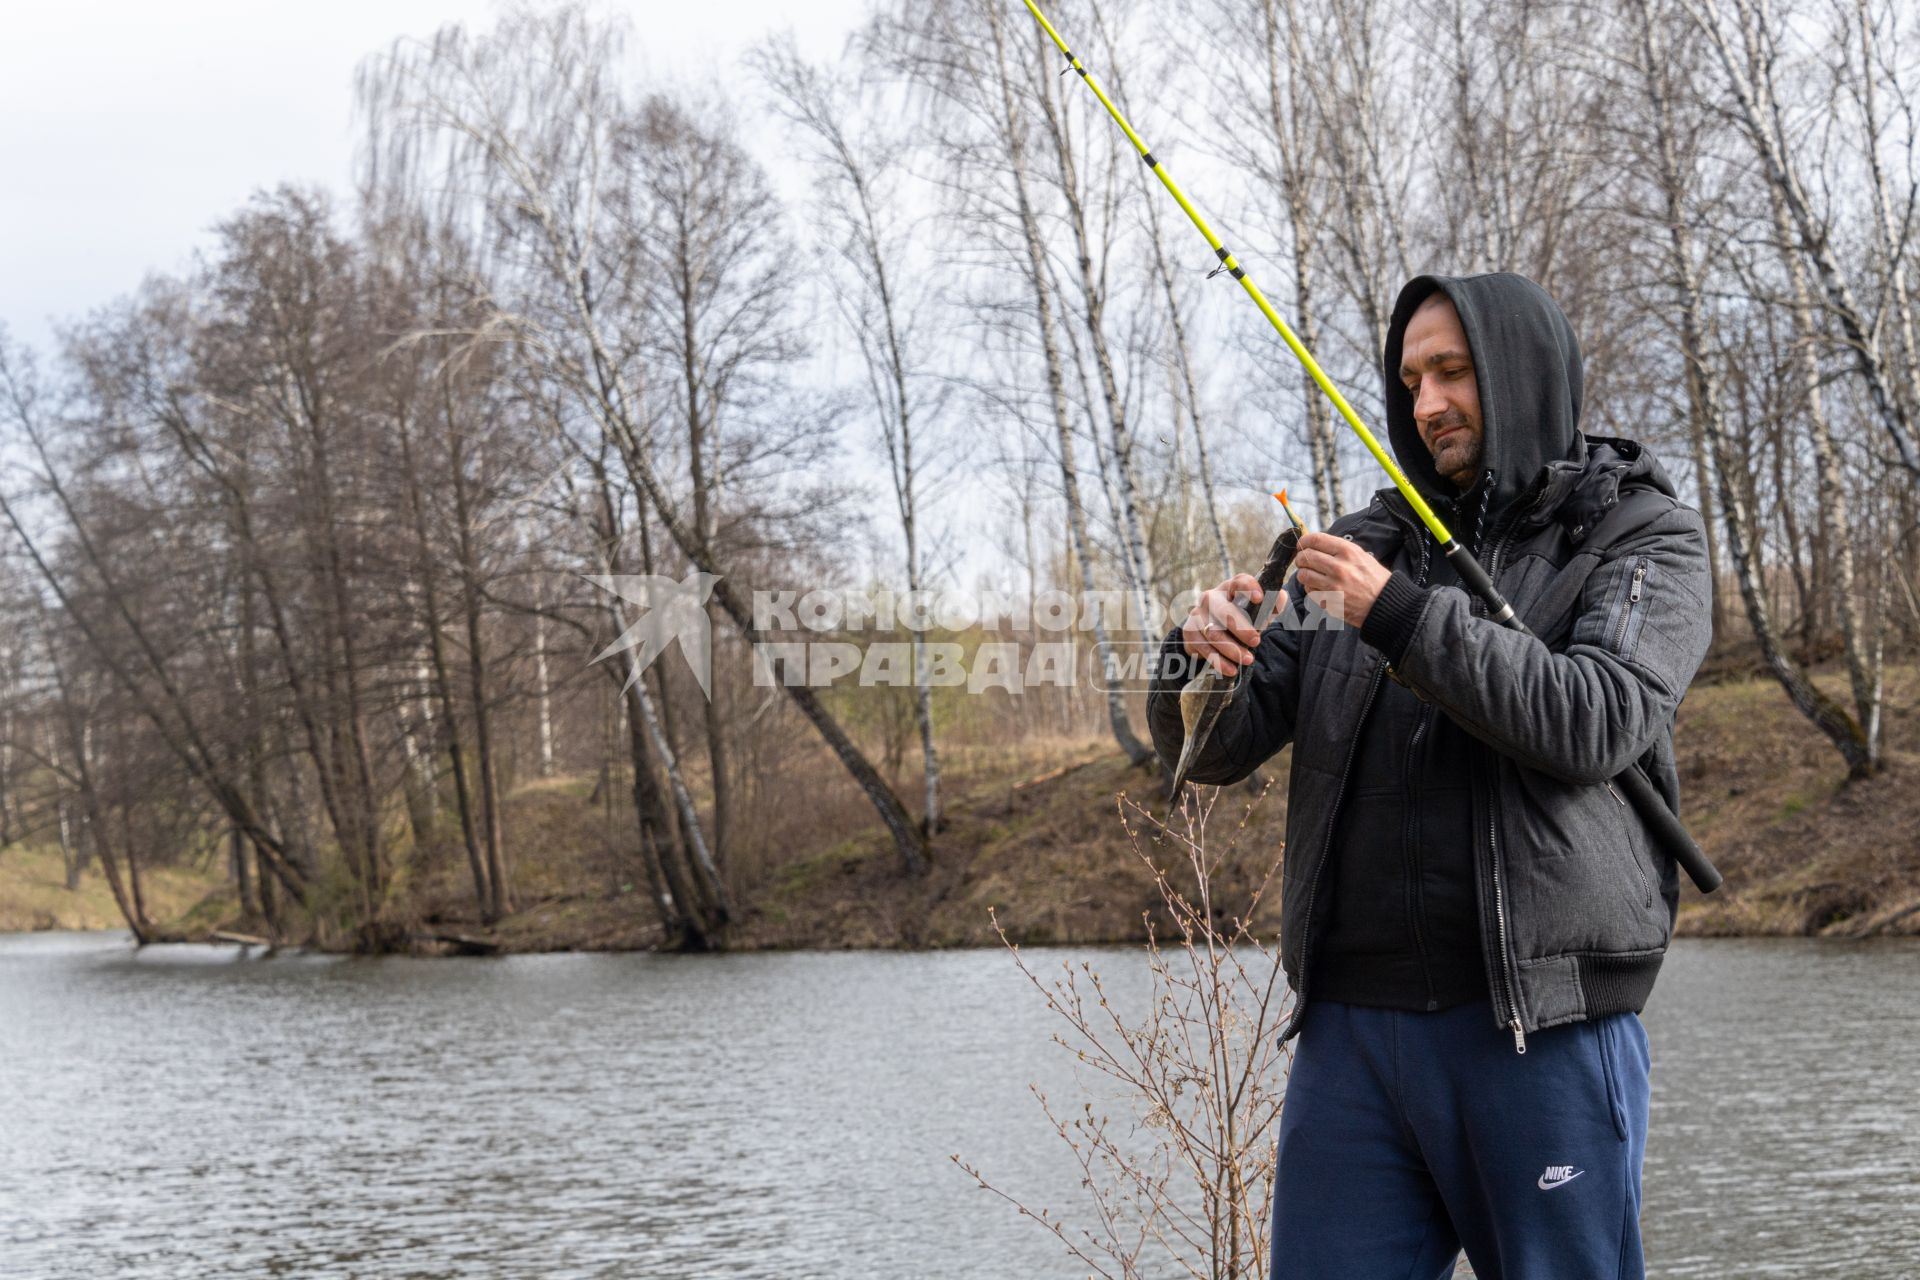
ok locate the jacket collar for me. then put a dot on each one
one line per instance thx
(1577, 492)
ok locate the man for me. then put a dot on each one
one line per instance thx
(1454, 843)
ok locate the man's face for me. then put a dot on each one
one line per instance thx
(1437, 368)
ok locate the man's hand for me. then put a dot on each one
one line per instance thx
(1340, 576)
(1219, 631)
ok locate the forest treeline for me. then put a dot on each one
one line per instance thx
(301, 543)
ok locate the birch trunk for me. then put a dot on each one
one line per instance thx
(1890, 236)
(690, 258)
(1707, 417)
(1749, 75)
(1014, 133)
(1092, 316)
(1189, 390)
(1836, 514)
(1187, 393)
(543, 679)
(701, 891)
(707, 888)
(1292, 134)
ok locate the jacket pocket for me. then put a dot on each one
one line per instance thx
(1629, 613)
(1604, 1036)
(1630, 832)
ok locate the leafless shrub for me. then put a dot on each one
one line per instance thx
(1182, 1182)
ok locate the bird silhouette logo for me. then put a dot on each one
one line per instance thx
(669, 611)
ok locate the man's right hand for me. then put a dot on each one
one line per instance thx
(1219, 631)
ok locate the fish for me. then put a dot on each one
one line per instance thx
(1207, 695)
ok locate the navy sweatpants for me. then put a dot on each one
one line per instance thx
(1407, 1136)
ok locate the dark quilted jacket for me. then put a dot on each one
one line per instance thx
(1608, 569)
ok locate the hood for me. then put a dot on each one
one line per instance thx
(1579, 492)
(1527, 365)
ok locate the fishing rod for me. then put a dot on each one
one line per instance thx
(1639, 788)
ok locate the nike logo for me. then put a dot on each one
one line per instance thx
(1558, 1175)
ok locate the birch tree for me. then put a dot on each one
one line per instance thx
(1687, 290)
(966, 57)
(885, 309)
(535, 125)
(1744, 39)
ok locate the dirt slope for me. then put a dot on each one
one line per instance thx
(1803, 852)
(1040, 835)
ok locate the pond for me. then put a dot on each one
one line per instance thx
(196, 1111)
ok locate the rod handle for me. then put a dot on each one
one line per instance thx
(1652, 807)
(1480, 584)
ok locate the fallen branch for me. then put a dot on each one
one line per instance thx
(1872, 925)
(463, 944)
(1051, 774)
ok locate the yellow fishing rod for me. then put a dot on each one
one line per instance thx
(1637, 786)
(1462, 560)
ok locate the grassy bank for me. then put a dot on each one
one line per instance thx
(34, 893)
(1803, 851)
(1039, 836)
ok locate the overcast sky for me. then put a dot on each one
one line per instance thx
(129, 129)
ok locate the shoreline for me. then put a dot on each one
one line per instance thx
(1059, 843)
(308, 949)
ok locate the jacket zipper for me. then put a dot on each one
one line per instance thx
(1416, 899)
(1633, 598)
(1509, 981)
(1500, 920)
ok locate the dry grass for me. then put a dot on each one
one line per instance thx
(1803, 850)
(1033, 833)
(1045, 850)
(34, 893)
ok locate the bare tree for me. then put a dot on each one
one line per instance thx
(1687, 291)
(966, 56)
(885, 310)
(1744, 36)
(536, 128)
(1184, 1185)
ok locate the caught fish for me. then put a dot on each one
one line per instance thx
(1208, 694)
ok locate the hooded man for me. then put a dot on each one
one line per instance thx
(1455, 847)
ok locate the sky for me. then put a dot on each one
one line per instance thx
(127, 130)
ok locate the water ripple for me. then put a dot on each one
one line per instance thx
(188, 1111)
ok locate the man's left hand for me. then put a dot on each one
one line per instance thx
(1342, 578)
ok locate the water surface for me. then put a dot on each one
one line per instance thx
(188, 1111)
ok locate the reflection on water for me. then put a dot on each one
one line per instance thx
(184, 1111)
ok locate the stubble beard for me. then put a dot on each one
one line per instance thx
(1458, 457)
